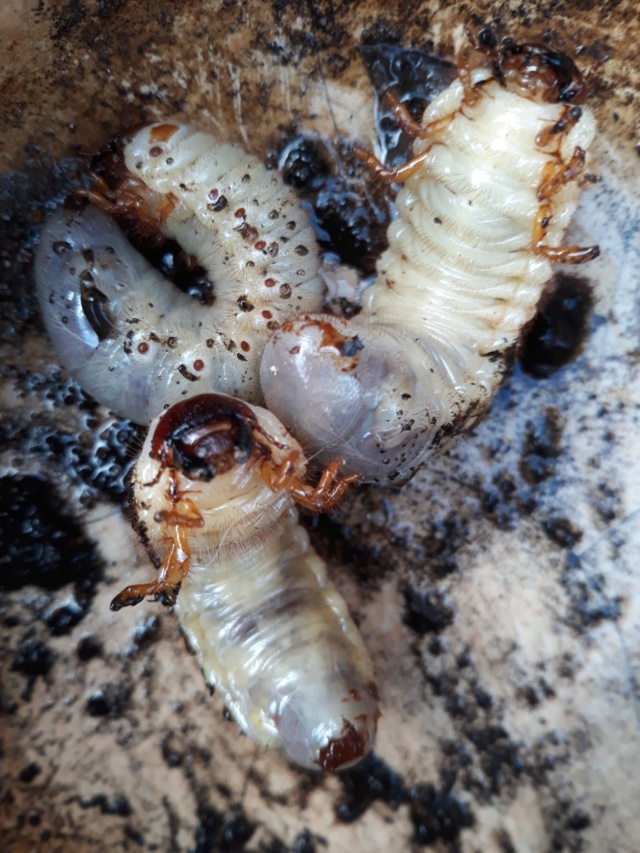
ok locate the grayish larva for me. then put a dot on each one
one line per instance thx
(127, 334)
(489, 193)
(214, 491)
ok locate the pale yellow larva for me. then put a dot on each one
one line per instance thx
(214, 491)
(486, 198)
(131, 338)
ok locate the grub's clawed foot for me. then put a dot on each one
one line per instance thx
(557, 175)
(172, 572)
(323, 496)
(568, 254)
(405, 120)
(162, 591)
(97, 199)
(554, 177)
(558, 254)
(414, 129)
(398, 175)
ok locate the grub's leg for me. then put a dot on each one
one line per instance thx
(326, 494)
(398, 175)
(98, 200)
(464, 75)
(570, 117)
(402, 173)
(279, 475)
(558, 254)
(412, 127)
(404, 118)
(555, 176)
(164, 209)
(474, 56)
(175, 564)
(133, 203)
(172, 572)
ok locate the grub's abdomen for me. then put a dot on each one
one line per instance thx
(275, 638)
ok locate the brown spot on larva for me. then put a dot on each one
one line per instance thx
(273, 325)
(162, 132)
(331, 337)
(198, 364)
(60, 247)
(273, 249)
(245, 346)
(247, 232)
(244, 304)
(156, 151)
(301, 250)
(184, 371)
(285, 291)
(213, 194)
(209, 342)
(172, 342)
(291, 225)
(260, 245)
(95, 306)
(269, 282)
(143, 348)
(273, 214)
(350, 746)
(246, 178)
(240, 213)
(351, 347)
(218, 205)
(241, 357)
(267, 314)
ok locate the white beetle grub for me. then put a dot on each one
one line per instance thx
(215, 490)
(126, 333)
(498, 161)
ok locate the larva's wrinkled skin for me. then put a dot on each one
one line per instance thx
(126, 333)
(491, 189)
(269, 629)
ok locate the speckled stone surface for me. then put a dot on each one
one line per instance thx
(497, 592)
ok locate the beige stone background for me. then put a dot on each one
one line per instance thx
(497, 592)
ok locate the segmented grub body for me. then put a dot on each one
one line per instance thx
(126, 333)
(269, 629)
(489, 193)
